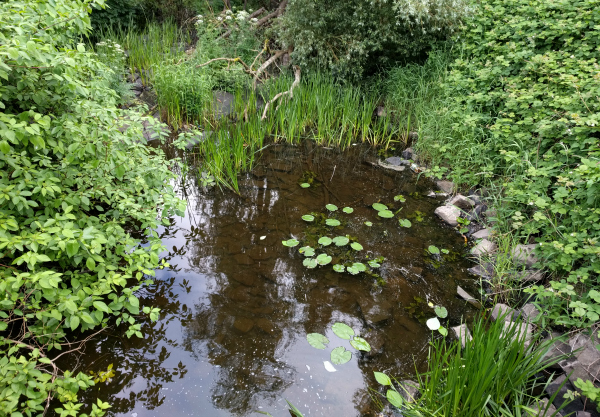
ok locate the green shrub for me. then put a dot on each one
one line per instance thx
(78, 191)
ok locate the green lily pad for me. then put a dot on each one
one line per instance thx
(317, 340)
(332, 222)
(342, 330)
(338, 268)
(340, 355)
(305, 185)
(331, 207)
(341, 240)
(359, 343)
(310, 263)
(379, 206)
(441, 312)
(323, 259)
(445, 251)
(368, 224)
(307, 251)
(433, 250)
(405, 223)
(347, 210)
(290, 243)
(374, 264)
(356, 246)
(399, 198)
(385, 214)
(308, 218)
(360, 266)
(325, 241)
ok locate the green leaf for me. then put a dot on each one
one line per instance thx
(323, 259)
(72, 248)
(443, 331)
(394, 398)
(386, 214)
(405, 223)
(308, 218)
(325, 241)
(433, 250)
(332, 222)
(290, 243)
(348, 210)
(342, 330)
(399, 198)
(100, 305)
(305, 185)
(338, 268)
(379, 206)
(382, 378)
(331, 207)
(120, 171)
(307, 251)
(4, 147)
(356, 246)
(91, 264)
(317, 340)
(359, 343)
(374, 264)
(341, 240)
(340, 355)
(368, 224)
(441, 312)
(74, 322)
(310, 263)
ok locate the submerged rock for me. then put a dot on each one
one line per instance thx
(375, 311)
(465, 296)
(243, 324)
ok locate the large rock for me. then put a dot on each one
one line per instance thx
(543, 409)
(408, 153)
(445, 186)
(523, 255)
(560, 387)
(396, 161)
(465, 296)
(375, 312)
(449, 214)
(530, 313)
(520, 331)
(485, 270)
(243, 324)
(483, 247)
(462, 333)
(531, 275)
(384, 164)
(481, 234)
(502, 310)
(462, 202)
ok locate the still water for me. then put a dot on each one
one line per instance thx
(236, 309)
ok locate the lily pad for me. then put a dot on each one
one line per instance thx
(338, 268)
(308, 218)
(386, 214)
(445, 251)
(340, 355)
(379, 206)
(405, 223)
(331, 207)
(332, 222)
(347, 210)
(341, 240)
(310, 263)
(356, 246)
(342, 330)
(360, 266)
(433, 323)
(359, 343)
(325, 241)
(353, 270)
(305, 185)
(317, 340)
(441, 312)
(399, 198)
(368, 224)
(433, 250)
(323, 259)
(290, 243)
(374, 264)
(307, 251)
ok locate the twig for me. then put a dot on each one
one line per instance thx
(270, 16)
(265, 66)
(257, 13)
(290, 92)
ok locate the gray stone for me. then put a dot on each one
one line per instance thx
(375, 312)
(396, 161)
(491, 214)
(462, 333)
(481, 234)
(531, 275)
(542, 409)
(465, 296)
(408, 153)
(475, 198)
(558, 352)
(500, 310)
(445, 186)
(434, 194)
(522, 331)
(483, 247)
(384, 164)
(449, 214)
(583, 414)
(409, 390)
(523, 255)
(380, 111)
(462, 202)
(555, 388)
(589, 358)
(577, 371)
(485, 271)
(530, 313)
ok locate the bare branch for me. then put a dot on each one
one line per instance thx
(290, 92)
(265, 65)
(278, 12)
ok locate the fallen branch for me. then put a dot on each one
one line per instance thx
(265, 65)
(283, 93)
(278, 12)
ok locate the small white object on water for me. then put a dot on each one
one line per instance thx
(433, 323)
(308, 367)
(262, 237)
(329, 367)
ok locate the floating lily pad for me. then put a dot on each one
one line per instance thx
(382, 378)
(305, 185)
(394, 398)
(317, 340)
(356, 246)
(405, 223)
(308, 218)
(433, 250)
(441, 312)
(338, 268)
(331, 207)
(347, 210)
(325, 241)
(341, 240)
(342, 330)
(359, 343)
(332, 222)
(433, 323)
(323, 259)
(443, 331)
(307, 251)
(360, 266)
(340, 355)
(290, 243)
(368, 224)
(379, 206)
(374, 264)
(399, 198)
(310, 263)
(445, 251)
(386, 214)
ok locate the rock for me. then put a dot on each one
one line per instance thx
(530, 313)
(396, 161)
(408, 153)
(449, 214)
(462, 202)
(412, 273)
(531, 275)
(266, 325)
(482, 234)
(491, 214)
(485, 271)
(502, 310)
(243, 324)
(375, 312)
(542, 409)
(436, 194)
(589, 357)
(583, 414)
(399, 168)
(559, 352)
(377, 340)
(477, 214)
(380, 111)
(445, 186)
(483, 247)
(523, 255)
(243, 259)
(465, 296)
(409, 390)
(413, 136)
(522, 331)
(462, 333)
(577, 371)
(476, 198)
(555, 387)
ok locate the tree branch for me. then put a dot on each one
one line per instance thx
(290, 92)
(278, 12)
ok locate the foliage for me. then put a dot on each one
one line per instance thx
(339, 355)
(357, 36)
(78, 192)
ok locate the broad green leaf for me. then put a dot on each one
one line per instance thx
(290, 243)
(100, 305)
(433, 250)
(386, 214)
(341, 240)
(379, 206)
(359, 343)
(342, 330)
(332, 222)
(323, 259)
(317, 340)
(331, 207)
(368, 224)
(307, 251)
(441, 312)
(382, 378)
(308, 218)
(394, 398)
(356, 246)
(340, 355)
(405, 223)
(399, 198)
(338, 268)
(74, 322)
(374, 264)
(325, 241)
(348, 210)
(310, 263)
(90, 263)
(443, 331)
(305, 185)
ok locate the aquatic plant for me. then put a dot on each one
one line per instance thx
(332, 222)
(308, 218)
(405, 223)
(290, 243)
(339, 355)
(348, 210)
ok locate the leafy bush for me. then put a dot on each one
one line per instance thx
(77, 193)
(357, 36)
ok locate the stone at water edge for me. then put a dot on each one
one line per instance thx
(501, 309)
(445, 186)
(542, 409)
(408, 153)
(485, 271)
(531, 275)
(523, 255)
(481, 234)
(462, 333)
(399, 168)
(465, 296)
(449, 214)
(396, 161)
(462, 202)
(409, 390)
(483, 247)
(530, 313)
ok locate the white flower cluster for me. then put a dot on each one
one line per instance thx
(199, 20)
(112, 45)
(242, 15)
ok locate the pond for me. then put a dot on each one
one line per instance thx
(236, 304)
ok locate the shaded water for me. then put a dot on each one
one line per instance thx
(231, 338)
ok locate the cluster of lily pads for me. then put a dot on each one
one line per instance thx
(339, 355)
(434, 323)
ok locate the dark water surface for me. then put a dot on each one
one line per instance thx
(231, 338)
